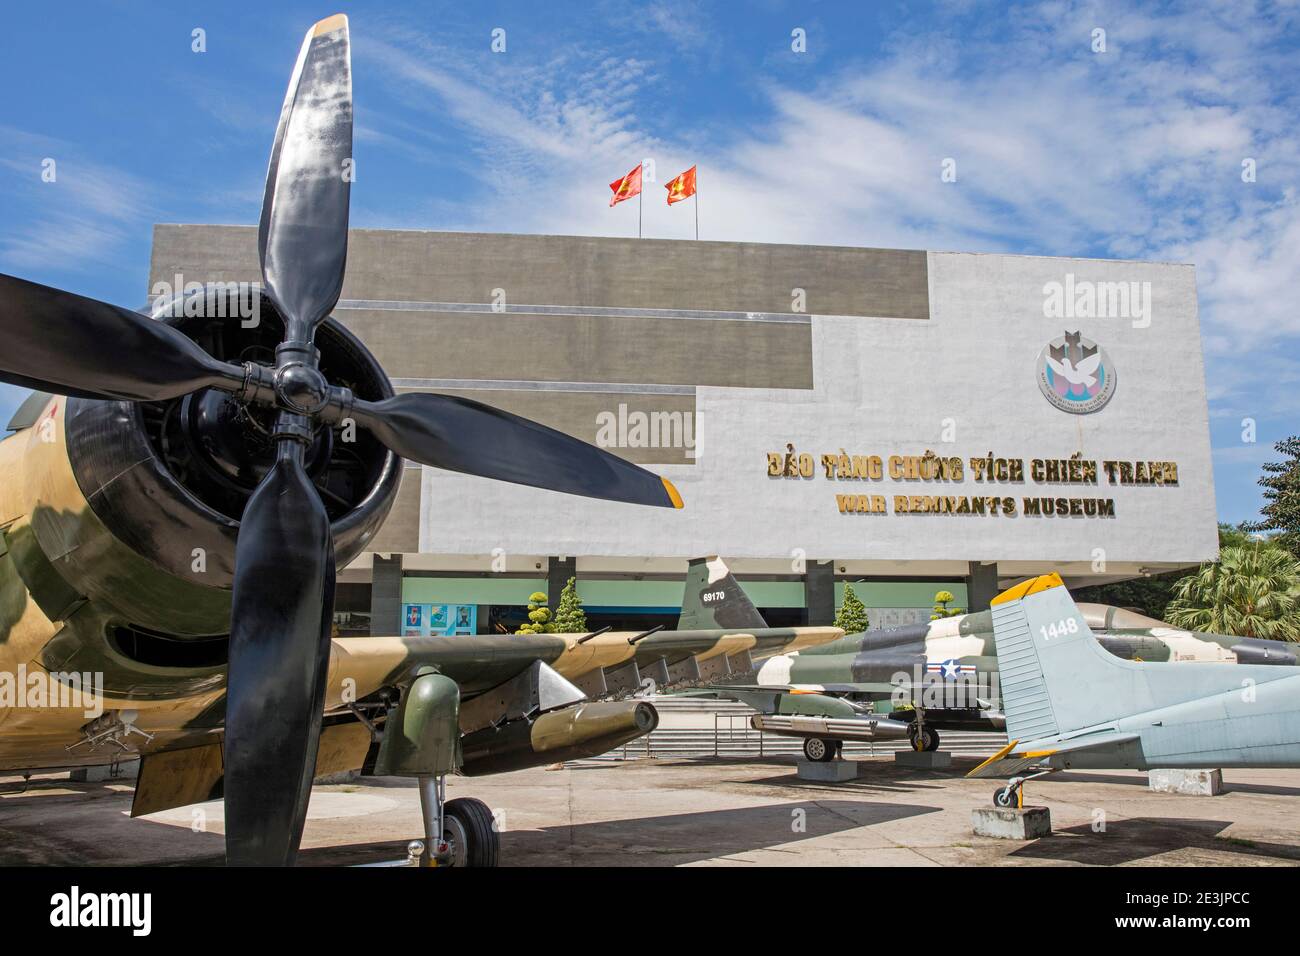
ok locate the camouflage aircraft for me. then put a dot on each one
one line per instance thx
(1073, 706)
(943, 675)
(175, 500)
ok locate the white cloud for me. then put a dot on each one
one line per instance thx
(77, 221)
(1135, 153)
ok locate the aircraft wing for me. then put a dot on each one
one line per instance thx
(1015, 757)
(601, 664)
(520, 698)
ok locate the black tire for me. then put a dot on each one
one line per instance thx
(929, 739)
(818, 749)
(1004, 797)
(467, 826)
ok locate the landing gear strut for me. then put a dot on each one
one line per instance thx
(459, 832)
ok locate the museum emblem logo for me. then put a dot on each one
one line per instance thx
(1076, 374)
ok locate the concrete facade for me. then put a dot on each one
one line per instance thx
(703, 359)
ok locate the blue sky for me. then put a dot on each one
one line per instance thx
(1131, 153)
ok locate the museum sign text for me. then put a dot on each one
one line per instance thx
(1074, 473)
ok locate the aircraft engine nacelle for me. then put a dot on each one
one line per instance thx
(136, 506)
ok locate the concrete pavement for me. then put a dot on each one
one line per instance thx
(662, 812)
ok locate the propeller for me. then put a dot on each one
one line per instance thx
(467, 436)
(281, 614)
(67, 344)
(283, 601)
(283, 592)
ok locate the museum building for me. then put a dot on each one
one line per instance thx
(914, 421)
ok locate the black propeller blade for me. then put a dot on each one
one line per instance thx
(463, 435)
(56, 341)
(284, 558)
(302, 238)
(279, 649)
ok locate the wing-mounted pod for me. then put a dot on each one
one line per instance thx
(538, 718)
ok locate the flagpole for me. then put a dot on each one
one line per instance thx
(697, 205)
(640, 201)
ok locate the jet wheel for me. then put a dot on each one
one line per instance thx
(471, 837)
(819, 750)
(926, 741)
(1007, 798)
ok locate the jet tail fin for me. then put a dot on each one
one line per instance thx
(712, 598)
(1058, 682)
(1055, 676)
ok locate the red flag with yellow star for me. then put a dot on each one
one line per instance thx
(627, 187)
(683, 187)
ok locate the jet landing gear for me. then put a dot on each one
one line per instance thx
(1012, 796)
(459, 832)
(822, 749)
(924, 739)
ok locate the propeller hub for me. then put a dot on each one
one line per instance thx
(302, 388)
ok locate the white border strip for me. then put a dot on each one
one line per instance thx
(389, 305)
(520, 385)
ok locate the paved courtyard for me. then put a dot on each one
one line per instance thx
(671, 812)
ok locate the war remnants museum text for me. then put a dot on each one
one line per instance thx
(989, 469)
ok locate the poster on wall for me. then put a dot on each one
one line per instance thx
(439, 620)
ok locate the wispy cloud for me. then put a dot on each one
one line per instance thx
(1135, 152)
(66, 209)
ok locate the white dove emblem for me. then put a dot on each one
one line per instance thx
(1082, 374)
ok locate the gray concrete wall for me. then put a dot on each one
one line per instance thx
(386, 596)
(573, 270)
(400, 532)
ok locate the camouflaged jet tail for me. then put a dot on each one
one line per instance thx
(712, 598)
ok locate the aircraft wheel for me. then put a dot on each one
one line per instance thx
(467, 827)
(928, 740)
(1005, 797)
(818, 749)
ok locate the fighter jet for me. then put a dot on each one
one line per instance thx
(174, 503)
(942, 675)
(1071, 705)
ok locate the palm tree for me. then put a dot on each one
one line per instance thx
(1253, 590)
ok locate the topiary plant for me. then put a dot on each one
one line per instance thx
(852, 615)
(539, 616)
(941, 609)
(569, 616)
